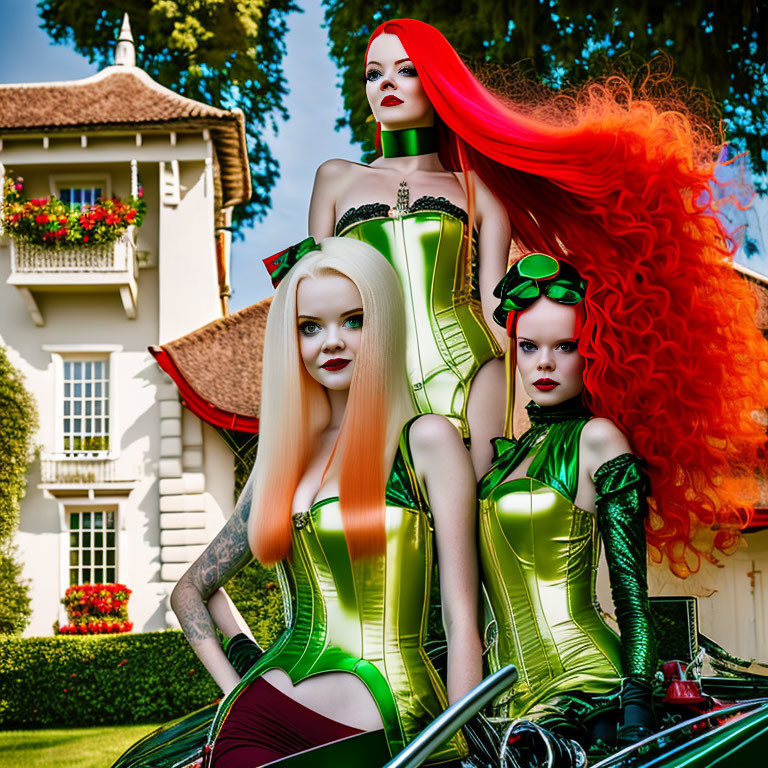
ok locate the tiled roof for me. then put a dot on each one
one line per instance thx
(221, 364)
(127, 97)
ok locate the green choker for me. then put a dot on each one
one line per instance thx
(408, 142)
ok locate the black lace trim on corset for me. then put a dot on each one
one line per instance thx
(363, 213)
(381, 211)
(427, 203)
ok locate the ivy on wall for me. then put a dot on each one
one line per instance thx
(18, 421)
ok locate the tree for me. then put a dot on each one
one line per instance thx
(18, 421)
(223, 52)
(718, 47)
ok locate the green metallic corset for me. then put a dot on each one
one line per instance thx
(447, 338)
(368, 616)
(539, 555)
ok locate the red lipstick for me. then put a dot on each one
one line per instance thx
(545, 385)
(390, 101)
(335, 364)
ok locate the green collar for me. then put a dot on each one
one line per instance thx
(569, 410)
(408, 142)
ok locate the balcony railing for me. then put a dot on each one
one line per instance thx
(88, 469)
(117, 256)
(98, 267)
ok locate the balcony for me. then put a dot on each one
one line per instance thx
(99, 267)
(93, 474)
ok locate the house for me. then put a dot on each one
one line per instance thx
(128, 486)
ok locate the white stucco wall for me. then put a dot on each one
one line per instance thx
(732, 596)
(178, 291)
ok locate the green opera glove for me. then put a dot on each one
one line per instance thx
(621, 507)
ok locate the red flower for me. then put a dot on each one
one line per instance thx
(112, 219)
(41, 218)
(85, 238)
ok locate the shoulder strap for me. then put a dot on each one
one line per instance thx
(403, 486)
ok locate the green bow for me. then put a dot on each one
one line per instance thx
(280, 264)
(533, 276)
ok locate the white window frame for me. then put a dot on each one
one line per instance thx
(91, 507)
(59, 181)
(83, 504)
(86, 353)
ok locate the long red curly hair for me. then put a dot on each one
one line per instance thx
(624, 184)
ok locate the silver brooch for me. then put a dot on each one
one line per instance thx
(403, 202)
(300, 520)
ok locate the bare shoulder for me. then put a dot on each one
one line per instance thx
(444, 469)
(435, 443)
(333, 171)
(431, 432)
(602, 440)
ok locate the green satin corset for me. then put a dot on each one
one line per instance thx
(539, 556)
(447, 337)
(367, 617)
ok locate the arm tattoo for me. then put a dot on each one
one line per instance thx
(228, 553)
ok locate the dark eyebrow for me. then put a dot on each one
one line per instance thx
(357, 311)
(399, 61)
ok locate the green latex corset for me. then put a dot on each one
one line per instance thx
(539, 555)
(366, 617)
(447, 337)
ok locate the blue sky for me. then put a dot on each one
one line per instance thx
(303, 142)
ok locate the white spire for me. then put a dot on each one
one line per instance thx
(125, 52)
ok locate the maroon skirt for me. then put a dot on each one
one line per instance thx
(264, 725)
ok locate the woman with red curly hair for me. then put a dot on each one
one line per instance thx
(627, 177)
(586, 356)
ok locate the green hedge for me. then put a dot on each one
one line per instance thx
(100, 680)
(256, 594)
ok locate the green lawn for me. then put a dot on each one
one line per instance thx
(68, 747)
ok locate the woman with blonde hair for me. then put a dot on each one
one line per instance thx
(346, 492)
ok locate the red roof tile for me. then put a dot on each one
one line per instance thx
(220, 365)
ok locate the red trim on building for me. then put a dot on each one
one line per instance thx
(759, 520)
(208, 412)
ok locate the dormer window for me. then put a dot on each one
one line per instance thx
(78, 190)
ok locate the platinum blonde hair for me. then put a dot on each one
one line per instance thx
(295, 408)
